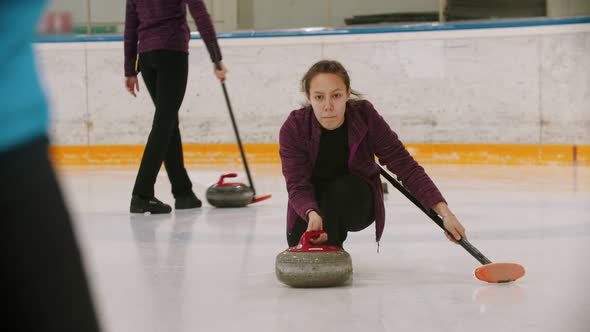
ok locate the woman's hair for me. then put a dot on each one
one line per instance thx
(327, 67)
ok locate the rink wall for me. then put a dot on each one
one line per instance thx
(504, 92)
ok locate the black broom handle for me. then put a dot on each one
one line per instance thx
(233, 120)
(433, 215)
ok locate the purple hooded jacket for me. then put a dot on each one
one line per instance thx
(368, 135)
(161, 24)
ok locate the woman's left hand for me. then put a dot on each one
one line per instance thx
(454, 227)
(455, 231)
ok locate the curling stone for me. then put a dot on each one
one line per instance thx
(307, 265)
(229, 194)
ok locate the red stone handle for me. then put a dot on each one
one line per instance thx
(229, 175)
(304, 242)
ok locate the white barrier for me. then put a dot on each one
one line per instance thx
(512, 85)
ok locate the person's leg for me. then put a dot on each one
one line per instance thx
(149, 75)
(174, 162)
(182, 190)
(298, 229)
(346, 205)
(150, 78)
(43, 279)
(169, 73)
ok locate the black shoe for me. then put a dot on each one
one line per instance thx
(152, 205)
(189, 201)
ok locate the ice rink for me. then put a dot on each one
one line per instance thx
(212, 269)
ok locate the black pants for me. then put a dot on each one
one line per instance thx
(165, 74)
(346, 205)
(44, 287)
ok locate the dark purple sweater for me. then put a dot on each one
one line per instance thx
(368, 135)
(161, 24)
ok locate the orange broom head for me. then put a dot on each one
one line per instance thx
(499, 272)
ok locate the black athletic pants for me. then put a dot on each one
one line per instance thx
(165, 73)
(346, 205)
(44, 287)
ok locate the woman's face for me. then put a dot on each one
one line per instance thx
(328, 96)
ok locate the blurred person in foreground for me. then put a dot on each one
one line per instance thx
(42, 276)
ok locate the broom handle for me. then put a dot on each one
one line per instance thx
(233, 120)
(463, 242)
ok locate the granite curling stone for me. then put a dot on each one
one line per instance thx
(307, 265)
(229, 194)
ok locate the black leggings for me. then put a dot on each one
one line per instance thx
(346, 205)
(43, 283)
(165, 73)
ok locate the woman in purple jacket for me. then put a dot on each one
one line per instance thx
(158, 31)
(327, 152)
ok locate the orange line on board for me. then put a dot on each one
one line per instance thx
(493, 154)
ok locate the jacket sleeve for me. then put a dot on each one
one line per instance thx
(205, 26)
(297, 169)
(393, 154)
(130, 37)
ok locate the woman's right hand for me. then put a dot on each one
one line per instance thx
(220, 73)
(132, 84)
(315, 223)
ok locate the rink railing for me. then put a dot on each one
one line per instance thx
(311, 32)
(436, 153)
